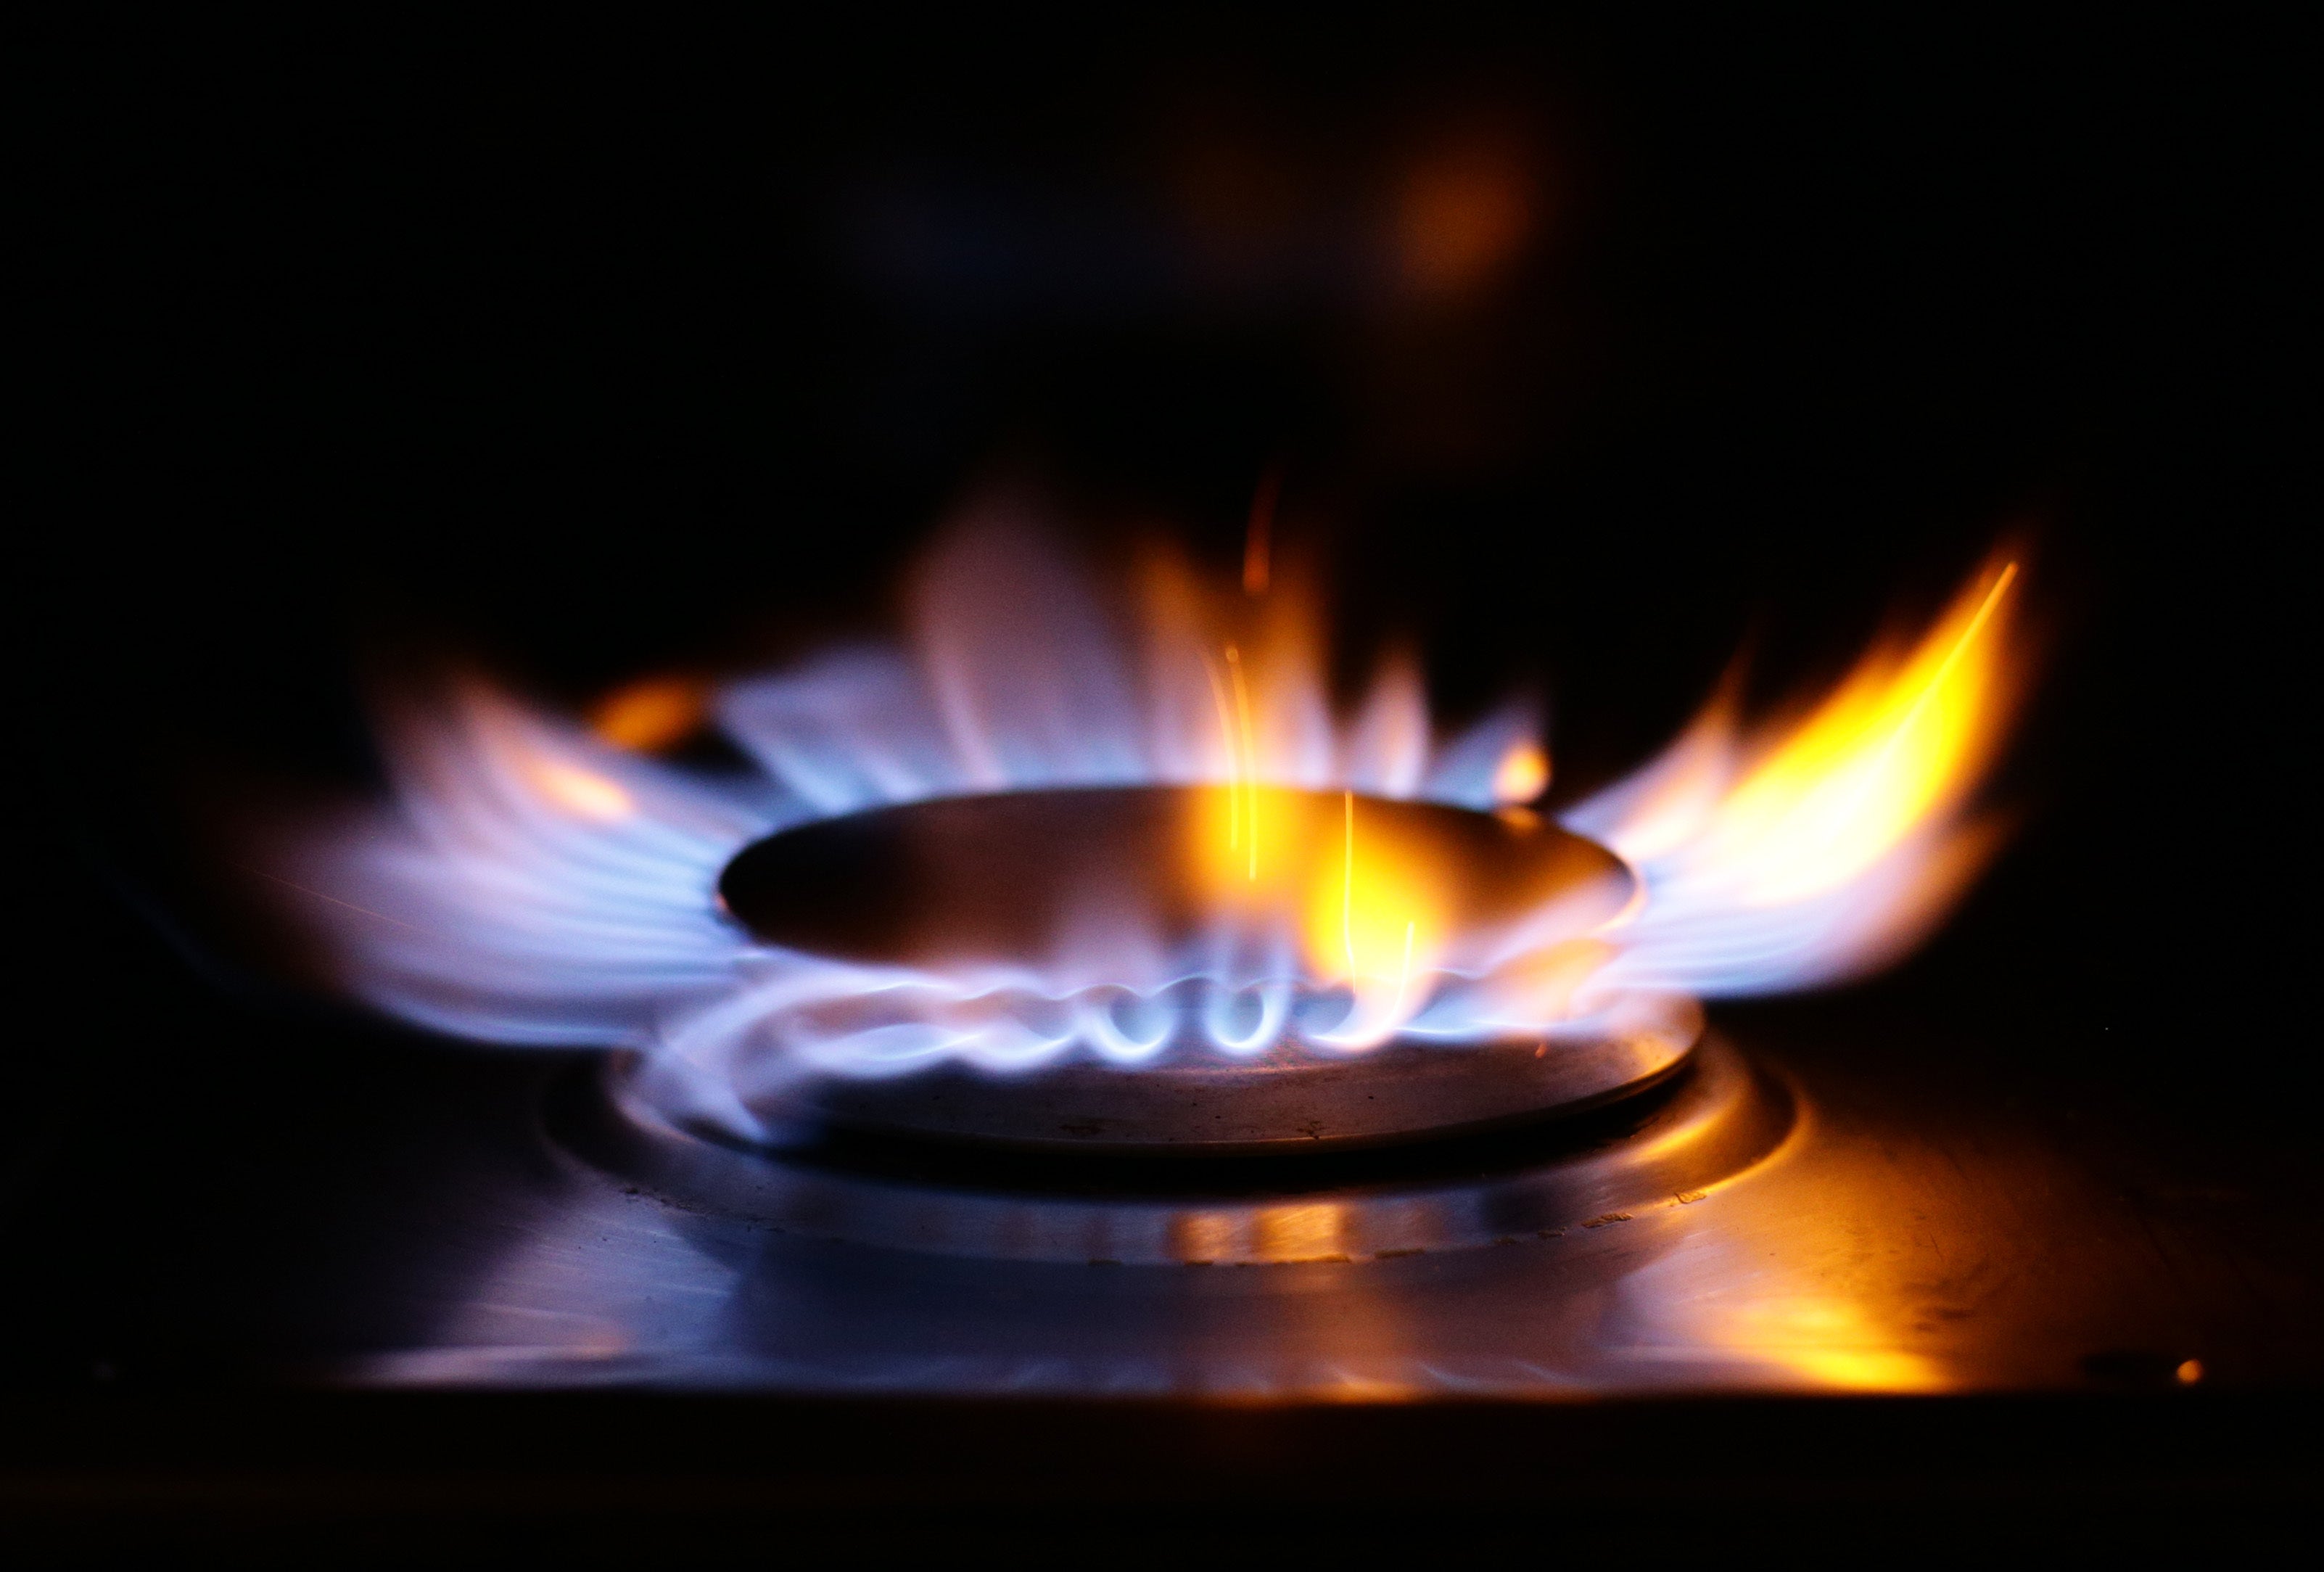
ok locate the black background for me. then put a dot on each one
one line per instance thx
(592, 347)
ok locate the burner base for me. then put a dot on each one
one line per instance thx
(1704, 1125)
(1207, 1106)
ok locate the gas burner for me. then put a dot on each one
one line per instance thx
(1090, 925)
(987, 882)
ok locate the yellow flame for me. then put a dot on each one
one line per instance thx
(1859, 795)
(1246, 770)
(1895, 744)
(1234, 757)
(1374, 908)
(1371, 904)
(1371, 910)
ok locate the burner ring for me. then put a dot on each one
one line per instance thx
(1700, 1128)
(1283, 1102)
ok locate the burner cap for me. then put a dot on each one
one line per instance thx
(1005, 880)
(1000, 879)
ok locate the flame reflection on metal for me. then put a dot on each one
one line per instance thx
(1890, 1241)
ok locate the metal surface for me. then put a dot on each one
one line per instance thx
(1708, 1125)
(1908, 1235)
(1935, 1220)
(1284, 1101)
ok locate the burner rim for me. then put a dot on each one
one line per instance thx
(1400, 1092)
(1719, 1117)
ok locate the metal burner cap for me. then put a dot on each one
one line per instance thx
(1013, 880)
(1002, 878)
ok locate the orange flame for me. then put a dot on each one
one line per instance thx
(1897, 742)
(1259, 536)
(652, 713)
(1825, 847)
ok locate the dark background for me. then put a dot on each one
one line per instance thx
(603, 347)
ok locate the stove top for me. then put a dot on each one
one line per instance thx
(460, 1291)
(1809, 1209)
